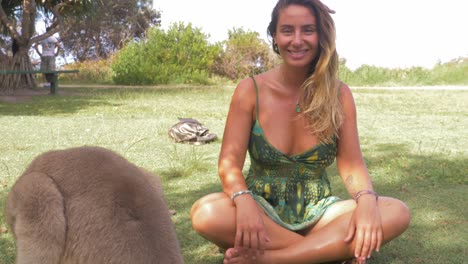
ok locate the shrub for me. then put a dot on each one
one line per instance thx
(91, 71)
(180, 55)
(243, 54)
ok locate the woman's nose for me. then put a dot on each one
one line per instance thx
(297, 41)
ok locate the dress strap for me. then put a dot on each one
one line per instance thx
(256, 98)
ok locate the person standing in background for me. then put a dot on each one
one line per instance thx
(50, 49)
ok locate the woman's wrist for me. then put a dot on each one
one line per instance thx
(239, 193)
(365, 193)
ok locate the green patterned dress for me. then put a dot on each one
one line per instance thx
(293, 190)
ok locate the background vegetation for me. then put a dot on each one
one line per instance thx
(100, 33)
(125, 41)
(243, 54)
(450, 73)
(183, 55)
(18, 34)
(180, 55)
(414, 143)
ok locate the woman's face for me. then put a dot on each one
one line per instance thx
(296, 36)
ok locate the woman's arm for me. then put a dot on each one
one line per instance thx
(350, 163)
(365, 226)
(235, 138)
(250, 233)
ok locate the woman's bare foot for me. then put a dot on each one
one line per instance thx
(232, 256)
(356, 261)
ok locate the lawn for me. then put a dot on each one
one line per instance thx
(414, 141)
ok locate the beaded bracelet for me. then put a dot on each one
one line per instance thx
(363, 192)
(240, 193)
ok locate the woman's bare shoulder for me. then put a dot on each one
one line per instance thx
(245, 88)
(345, 92)
(343, 86)
(243, 97)
(347, 99)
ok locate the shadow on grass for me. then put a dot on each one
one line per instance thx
(434, 188)
(194, 247)
(51, 105)
(75, 99)
(418, 170)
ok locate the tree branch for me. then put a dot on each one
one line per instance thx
(8, 23)
(56, 24)
(28, 20)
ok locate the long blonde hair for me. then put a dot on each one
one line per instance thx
(320, 97)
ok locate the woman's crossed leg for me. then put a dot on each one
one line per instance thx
(214, 217)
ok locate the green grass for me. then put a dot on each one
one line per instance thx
(414, 142)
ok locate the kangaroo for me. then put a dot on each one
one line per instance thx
(90, 205)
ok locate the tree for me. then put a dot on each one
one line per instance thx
(17, 26)
(101, 33)
(243, 54)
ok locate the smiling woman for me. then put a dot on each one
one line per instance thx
(295, 120)
(297, 39)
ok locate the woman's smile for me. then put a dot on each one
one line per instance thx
(297, 54)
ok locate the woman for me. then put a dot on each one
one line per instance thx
(295, 120)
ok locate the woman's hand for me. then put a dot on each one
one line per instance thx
(251, 237)
(366, 228)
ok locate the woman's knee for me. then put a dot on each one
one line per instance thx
(404, 213)
(398, 214)
(201, 215)
(207, 212)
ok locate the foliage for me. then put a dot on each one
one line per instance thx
(91, 71)
(105, 30)
(17, 25)
(18, 17)
(243, 54)
(450, 73)
(182, 54)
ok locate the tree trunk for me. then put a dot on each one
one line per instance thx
(12, 82)
(20, 60)
(4, 65)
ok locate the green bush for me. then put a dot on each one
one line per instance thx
(180, 55)
(130, 64)
(243, 54)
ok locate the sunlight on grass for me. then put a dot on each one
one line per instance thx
(182, 162)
